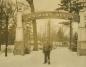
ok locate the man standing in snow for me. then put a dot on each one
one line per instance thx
(46, 50)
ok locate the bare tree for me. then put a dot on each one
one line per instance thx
(7, 11)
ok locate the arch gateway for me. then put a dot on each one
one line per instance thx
(19, 41)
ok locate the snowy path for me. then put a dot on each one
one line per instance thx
(60, 57)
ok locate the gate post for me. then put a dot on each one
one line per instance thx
(19, 40)
(82, 34)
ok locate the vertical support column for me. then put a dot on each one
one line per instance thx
(49, 31)
(70, 34)
(19, 42)
(35, 34)
(49, 38)
(81, 49)
(27, 38)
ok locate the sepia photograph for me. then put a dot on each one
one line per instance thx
(42, 33)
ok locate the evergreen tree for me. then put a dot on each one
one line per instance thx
(71, 5)
(60, 35)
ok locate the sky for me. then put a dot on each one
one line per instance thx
(46, 5)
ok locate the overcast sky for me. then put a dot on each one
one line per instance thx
(46, 5)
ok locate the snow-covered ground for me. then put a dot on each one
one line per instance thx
(60, 57)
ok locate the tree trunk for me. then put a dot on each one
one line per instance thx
(6, 30)
(34, 26)
(0, 46)
(0, 39)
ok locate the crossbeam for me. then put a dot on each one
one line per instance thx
(51, 14)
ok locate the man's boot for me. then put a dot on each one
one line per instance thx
(48, 61)
(45, 61)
